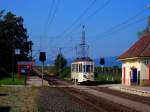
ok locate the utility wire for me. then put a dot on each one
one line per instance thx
(53, 16)
(112, 29)
(123, 27)
(78, 18)
(97, 10)
(49, 16)
(90, 16)
(54, 12)
(46, 22)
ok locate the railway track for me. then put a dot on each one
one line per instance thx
(97, 104)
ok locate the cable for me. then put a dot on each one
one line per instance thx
(123, 23)
(54, 13)
(49, 16)
(96, 11)
(122, 28)
(78, 18)
(91, 15)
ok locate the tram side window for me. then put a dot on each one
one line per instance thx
(80, 67)
(73, 68)
(84, 68)
(76, 67)
(92, 68)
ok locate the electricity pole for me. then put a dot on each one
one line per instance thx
(13, 56)
(60, 61)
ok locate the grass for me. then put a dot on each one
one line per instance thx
(67, 78)
(18, 99)
(9, 80)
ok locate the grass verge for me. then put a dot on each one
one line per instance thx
(9, 80)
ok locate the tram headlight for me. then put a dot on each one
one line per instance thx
(84, 76)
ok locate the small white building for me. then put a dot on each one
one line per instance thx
(136, 63)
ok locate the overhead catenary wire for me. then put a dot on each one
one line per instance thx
(97, 10)
(54, 12)
(49, 16)
(125, 24)
(115, 27)
(78, 18)
(54, 6)
(46, 22)
(122, 28)
(89, 17)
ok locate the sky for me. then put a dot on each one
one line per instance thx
(111, 26)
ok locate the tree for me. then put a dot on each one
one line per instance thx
(13, 35)
(60, 63)
(146, 29)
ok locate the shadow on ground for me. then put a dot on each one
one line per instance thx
(95, 83)
(3, 94)
(5, 109)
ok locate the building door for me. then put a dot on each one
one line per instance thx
(138, 77)
(134, 76)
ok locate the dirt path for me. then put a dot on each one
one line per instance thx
(125, 95)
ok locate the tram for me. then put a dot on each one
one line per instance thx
(82, 70)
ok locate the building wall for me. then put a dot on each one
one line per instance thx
(128, 65)
(145, 72)
(142, 66)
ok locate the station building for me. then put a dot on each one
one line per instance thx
(136, 63)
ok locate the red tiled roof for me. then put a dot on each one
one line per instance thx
(140, 49)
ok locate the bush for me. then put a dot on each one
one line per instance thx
(108, 74)
(66, 72)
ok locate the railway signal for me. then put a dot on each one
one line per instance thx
(42, 58)
(102, 61)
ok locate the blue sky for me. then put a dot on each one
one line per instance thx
(47, 30)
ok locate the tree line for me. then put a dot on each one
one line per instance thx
(13, 35)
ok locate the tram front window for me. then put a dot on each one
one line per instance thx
(87, 68)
